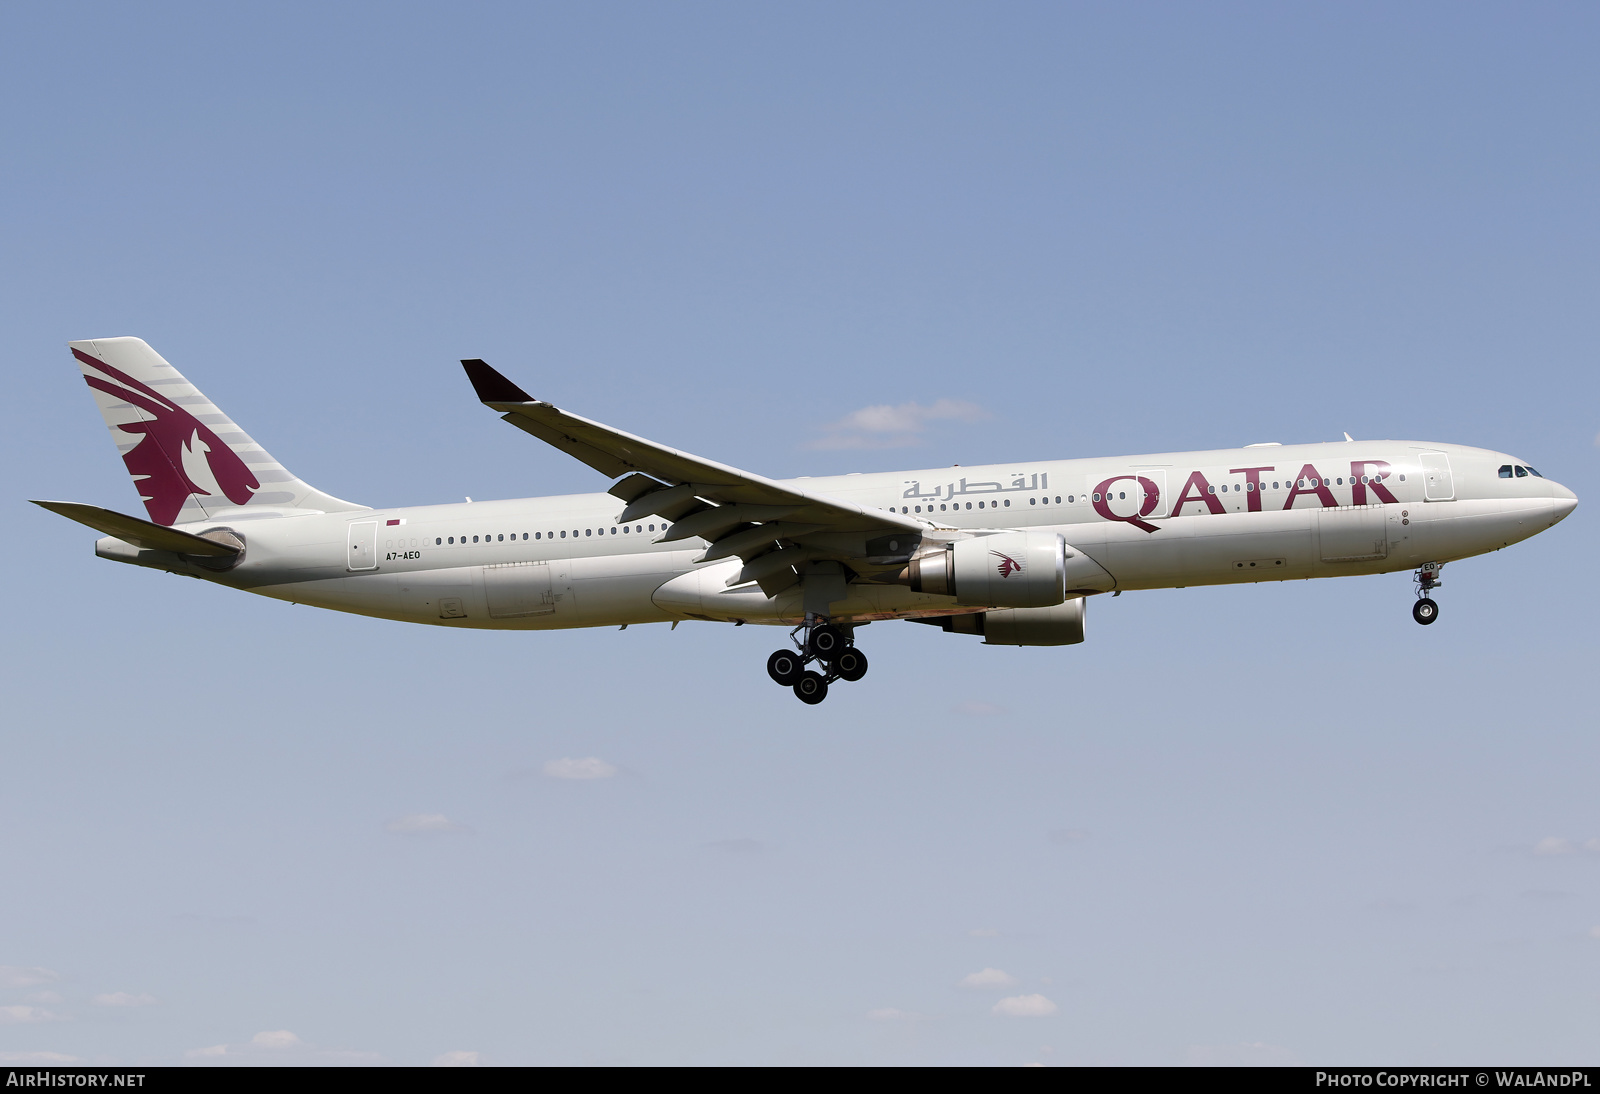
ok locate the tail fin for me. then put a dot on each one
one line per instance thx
(188, 460)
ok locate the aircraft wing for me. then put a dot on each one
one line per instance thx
(772, 527)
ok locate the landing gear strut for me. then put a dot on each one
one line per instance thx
(826, 643)
(1425, 610)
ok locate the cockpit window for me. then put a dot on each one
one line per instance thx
(1505, 471)
(1534, 473)
(1522, 472)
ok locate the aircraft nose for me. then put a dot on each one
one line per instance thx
(1562, 502)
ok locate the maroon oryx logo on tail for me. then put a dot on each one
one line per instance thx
(172, 444)
(1008, 565)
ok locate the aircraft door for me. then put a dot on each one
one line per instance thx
(1438, 484)
(363, 547)
(1156, 477)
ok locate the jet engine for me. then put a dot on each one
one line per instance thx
(1057, 625)
(1006, 570)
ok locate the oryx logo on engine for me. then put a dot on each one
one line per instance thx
(1008, 565)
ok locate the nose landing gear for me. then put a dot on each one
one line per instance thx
(831, 645)
(1425, 610)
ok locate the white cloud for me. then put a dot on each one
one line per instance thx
(123, 999)
(458, 1058)
(1025, 1006)
(15, 976)
(37, 1059)
(424, 824)
(588, 767)
(988, 979)
(1249, 1054)
(899, 426)
(207, 1053)
(22, 1015)
(275, 1038)
(1560, 845)
(893, 1014)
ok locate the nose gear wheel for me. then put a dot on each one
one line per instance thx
(1426, 609)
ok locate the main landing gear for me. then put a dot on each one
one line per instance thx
(832, 646)
(1425, 611)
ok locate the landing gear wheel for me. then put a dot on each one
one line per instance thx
(811, 688)
(826, 642)
(1425, 611)
(850, 664)
(785, 667)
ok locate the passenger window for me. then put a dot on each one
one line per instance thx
(1069, 499)
(474, 539)
(1033, 501)
(437, 542)
(1522, 472)
(1505, 471)
(1008, 503)
(563, 533)
(1058, 499)
(969, 505)
(1097, 497)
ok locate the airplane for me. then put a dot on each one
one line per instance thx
(1008, 552)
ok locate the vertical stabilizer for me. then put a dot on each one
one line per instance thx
(189, 461)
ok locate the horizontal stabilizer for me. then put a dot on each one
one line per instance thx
(140, 533)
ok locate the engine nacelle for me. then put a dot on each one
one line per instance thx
(1057, 625)
(1006, 570)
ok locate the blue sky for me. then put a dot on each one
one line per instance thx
(1266, 824)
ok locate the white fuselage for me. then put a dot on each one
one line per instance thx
(1156, 521)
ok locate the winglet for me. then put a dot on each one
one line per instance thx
(491, 386)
